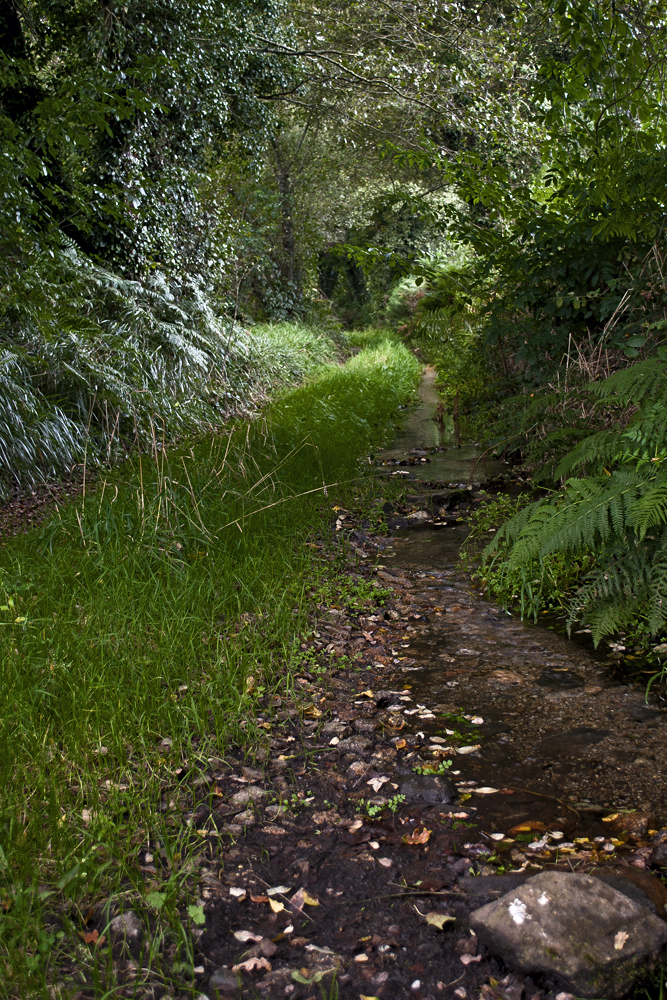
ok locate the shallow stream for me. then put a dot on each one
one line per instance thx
(561, 742)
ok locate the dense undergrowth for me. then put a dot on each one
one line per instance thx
(140, 625)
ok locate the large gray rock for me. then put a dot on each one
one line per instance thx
(574, 927)
(431, 788)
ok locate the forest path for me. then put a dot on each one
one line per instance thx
(442, 740)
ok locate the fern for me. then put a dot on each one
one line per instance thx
(612, 523)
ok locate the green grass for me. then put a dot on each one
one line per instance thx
(137, 630)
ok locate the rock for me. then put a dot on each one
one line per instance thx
(224, 979)
(252, 774)
(365, 725)
(635, 824)
(506, 677)
(355, 744)
(430, 788)
(126, 927)
(246, 818)
(559, 677)
(338, 729)
(643, 888)
(358, 769)
(384, 698)
(575, 927)
(659, 851)
(249, 794)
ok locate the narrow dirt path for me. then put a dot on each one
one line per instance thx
(436, 755)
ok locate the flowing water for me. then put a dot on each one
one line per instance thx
(561, 742)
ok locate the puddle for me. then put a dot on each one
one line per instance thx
(561, 742)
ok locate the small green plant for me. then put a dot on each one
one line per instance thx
(436, 767)
(393, 804)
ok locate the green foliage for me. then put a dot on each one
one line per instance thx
(141, 625)
(602, 537)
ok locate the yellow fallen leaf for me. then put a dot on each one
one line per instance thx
(610, 818)
(310, 900)
(366, 694)
(313, 712)
(276, 906)
(439, 919)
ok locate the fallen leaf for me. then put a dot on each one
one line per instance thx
(385, 862)
(301, 976)
(400, 744)
(278, 890)
(439, 919)
(276, 906)
(362, 996)
(470, 749)
(377, 783)
(310, 900)
(529, 826)
(259, 899)
(237, 892)
(93, 937)
(611, 818)
(244, 936)
(418, 837)
(251, 964)
(369, 693)
(467, 959)
(477, 720)
(298, 900)
(363, 957)
(497, 836)
(485, 790)
(313, 712)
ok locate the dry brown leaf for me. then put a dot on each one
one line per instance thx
(418, 837)
(259, 899)
(92, 937)
(252, 964)
(298, 899)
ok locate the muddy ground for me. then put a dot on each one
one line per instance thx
(405, 787)
(437, 752)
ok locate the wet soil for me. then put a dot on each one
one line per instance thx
(435, 753)
(448, 752)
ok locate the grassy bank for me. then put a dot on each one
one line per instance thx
(139, 626)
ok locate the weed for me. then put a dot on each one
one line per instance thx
(436, 767)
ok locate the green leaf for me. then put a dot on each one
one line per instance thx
(156, 899)
(196, 914)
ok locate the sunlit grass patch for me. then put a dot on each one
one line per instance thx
(137, 630)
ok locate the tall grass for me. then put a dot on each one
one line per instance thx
(139, 625)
